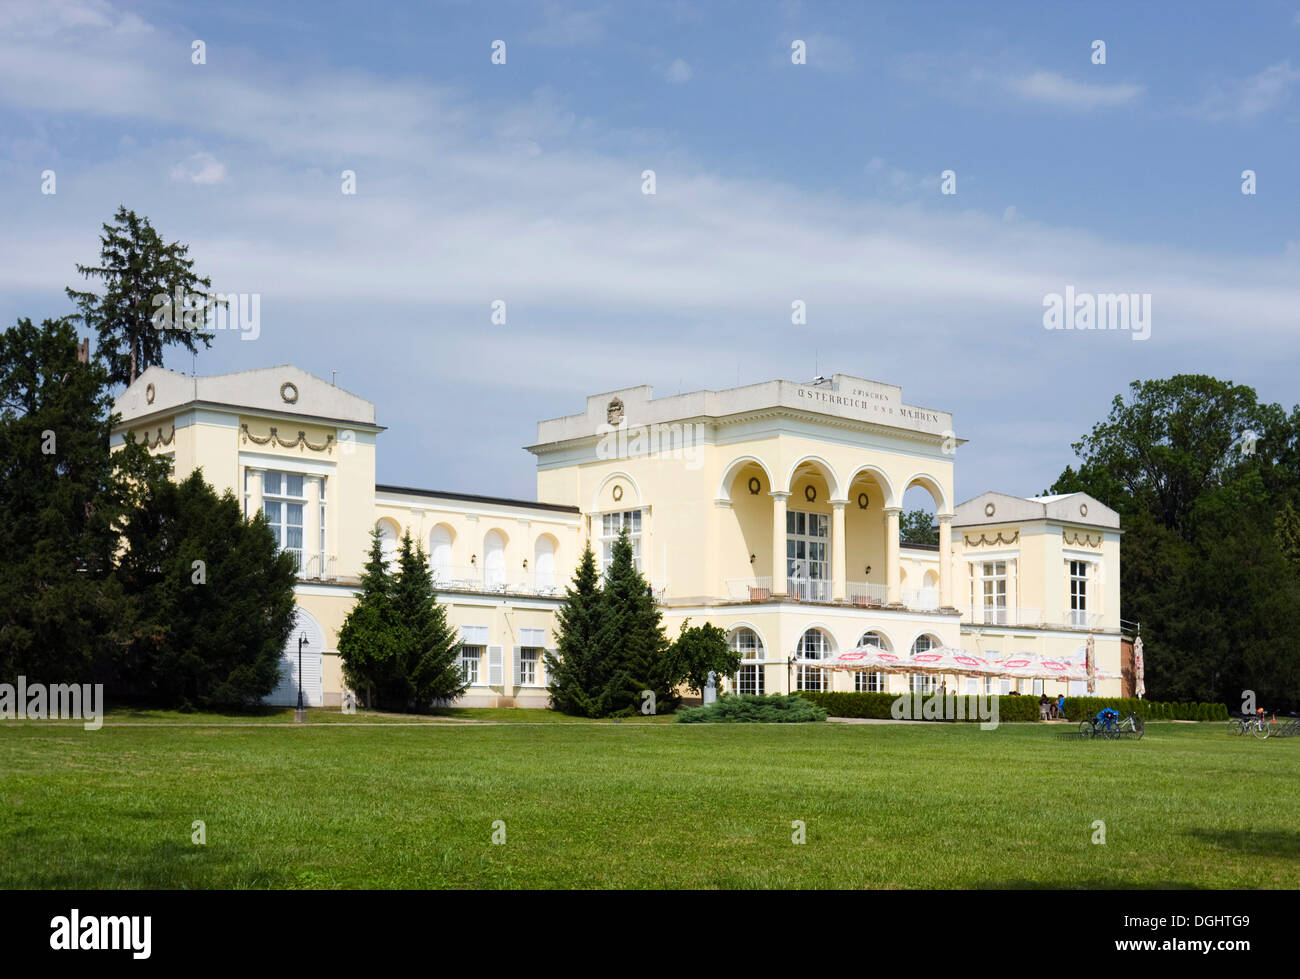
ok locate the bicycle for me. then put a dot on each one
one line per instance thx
(1132, 724)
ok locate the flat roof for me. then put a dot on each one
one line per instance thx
(475, 498)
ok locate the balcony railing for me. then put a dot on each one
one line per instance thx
(496, 581)
(1029, 617)
(865, 594)
(926, 599)
(320, 567)
(808, 589)
(749, 589)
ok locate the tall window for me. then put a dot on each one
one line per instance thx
(610, 525)
(471, 660)
(749, 679)
(529, 658)
(813, 646)
(283, 499)
(323, 569)
(807, 540)
(544, 564)
(494, 561)
(864, 682)
(440, 554)
(924, 682)
(388, 544)
(1078, 592)
(995, 592)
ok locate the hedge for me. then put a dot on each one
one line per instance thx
(1081, 708)
(880, 705)
(753, 709)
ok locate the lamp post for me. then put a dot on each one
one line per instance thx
(300, 714)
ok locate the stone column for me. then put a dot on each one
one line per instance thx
(312, 562)
(945, 560)
(254, 491)
(778, 542)
(891, 555)
(839, 569)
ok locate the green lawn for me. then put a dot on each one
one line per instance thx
(642, 805)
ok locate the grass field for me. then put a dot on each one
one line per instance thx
(639, 805)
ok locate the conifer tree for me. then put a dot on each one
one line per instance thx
(429, 662)
(369, 642)
(576, 671)
(136, 317)
(630, 639)
(212, 599)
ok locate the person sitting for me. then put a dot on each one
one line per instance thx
(1107, 717)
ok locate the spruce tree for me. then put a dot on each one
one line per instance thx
(630, 639)
(370, 642)
(576, 671)
(429, 663)
(134, 325)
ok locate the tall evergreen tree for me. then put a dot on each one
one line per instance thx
(370, 642)
(630, 638)
(64, 496)
(212, 595)
(577, 670)
(137, 317)
(429, 663)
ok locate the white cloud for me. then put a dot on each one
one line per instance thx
(201, 169)
(1251, 97)
(1051, 88)
(679, 71)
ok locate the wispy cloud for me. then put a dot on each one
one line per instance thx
(678, 72)
(1050, 88)
(1249, 98)
(201, 169)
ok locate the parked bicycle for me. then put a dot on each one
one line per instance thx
(1253, 724)
(1108, 724)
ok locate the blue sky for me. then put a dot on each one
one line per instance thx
(775, 182)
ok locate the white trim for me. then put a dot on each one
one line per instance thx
(619, 504)
(291, 464)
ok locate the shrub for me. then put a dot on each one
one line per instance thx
(754, 709)
(880, 705)
(1081, 708)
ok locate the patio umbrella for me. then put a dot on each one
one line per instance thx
(871, 658)
(1091, 657)
(1139, 669)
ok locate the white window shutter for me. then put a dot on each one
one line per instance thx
(496, 672)
(519, 680)
(541, 667)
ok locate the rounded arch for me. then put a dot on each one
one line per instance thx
(886, 642)
(623, 504)
(305, 624)
(809, 642)
(760, 644)
(734, 467)
(881, 479)
(931, 579)
(544, 549)
(441, 539)
(924, 641)
(390, 534)
(824, 469)
(942, 505)
(494, 558)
